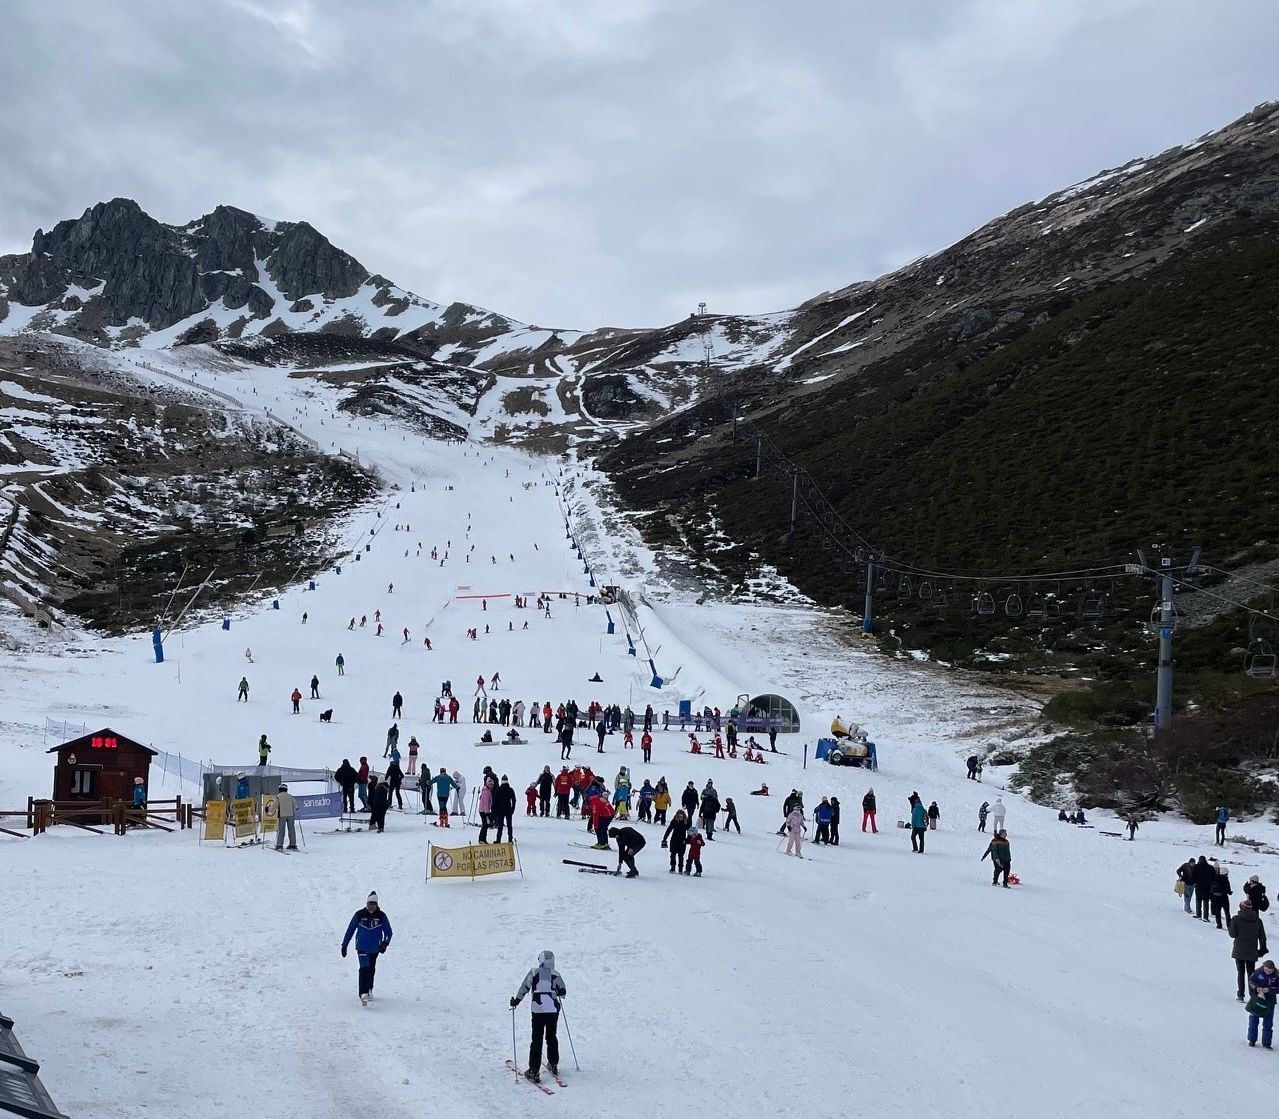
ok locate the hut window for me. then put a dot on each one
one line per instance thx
(82, 783)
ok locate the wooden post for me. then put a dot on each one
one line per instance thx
(31, 816)
(177, 812)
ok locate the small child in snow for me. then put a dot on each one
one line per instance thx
(530, 801)
(693, 855)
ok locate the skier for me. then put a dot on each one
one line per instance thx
(315, 687)
(646, 745)
(629, 844)
(545, 786)
(459, 793)
(676, 838)
(822, 814)
(1249, 935)
(868, 811)
(414, 747)
(346, 777)
(264, 750)
(566, 740)
(392, 739)
(504, 810)
(547, 988)
(563, 788)
(394, 779)
(286, 809)
(1261, 1008)
(997, 814)
(934, 815)
(340, 662)
(397, 706)
(694, 859)
(1222, 817)
(444, 784)
(1000, 857)
(599, 812)
(372, 931)
(530, 799)
(981, 815)
(795, 828)
(379, 802)
(484, 806)
(242, 692)
(296, 697)
(918, 826)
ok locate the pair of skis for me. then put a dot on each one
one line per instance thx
(559, 1080)
(590, 868)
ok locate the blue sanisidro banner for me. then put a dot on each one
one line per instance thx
(319, 806)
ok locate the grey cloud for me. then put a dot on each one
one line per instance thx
(582, 162)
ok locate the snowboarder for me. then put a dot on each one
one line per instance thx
(315, 687)
(629, 844)
(868, 811)
(397, 706)
(1222, 819)
(1000, 857)
(1261, 1007)
(795, 828)
(547, 988)
(286, 811)
(242, 692)
(296, 697)
(997, 814)
(918, 826)
(372, 931)
(1249, 935)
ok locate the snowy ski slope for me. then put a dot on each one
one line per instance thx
(155, 975)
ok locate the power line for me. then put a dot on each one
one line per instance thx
(1240, 578)
(1231, 602)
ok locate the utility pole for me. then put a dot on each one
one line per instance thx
(868, 610)
(794, 499)
(759, 453)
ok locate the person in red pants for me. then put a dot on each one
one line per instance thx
(530, 801)
(868, 810)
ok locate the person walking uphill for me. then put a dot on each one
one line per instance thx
(1001, 858)
(1203, 878)
(372, 931)
(1186, 876)
(1249, 935)
(868, 811)
(547, 988)
(919, 826)
(1219, 895)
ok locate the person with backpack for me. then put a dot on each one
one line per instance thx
(868, 811)
(676, 838)
(1186, 877)
(629, 844)
(546, 985)
(1222, 819)
(822, 814)
(694, 858)
(371, 928)
(1001, 857)
(1261, 1007)
(1256, 892)
(918, 826)
(1249, 936)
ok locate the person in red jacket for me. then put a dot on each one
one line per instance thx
(719, 746)
(530, 801)
(563, 788)
(693, 855)
(546, 717)
(454, 707)
(646, 744)
(297, 700)
(601, 815)
(694, 747)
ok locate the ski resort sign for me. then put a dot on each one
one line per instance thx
(472, 861)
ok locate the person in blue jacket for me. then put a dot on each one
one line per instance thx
(918, 826)
(444, 784)
(372, 931)
(1223, 818)
(1261, 1007)
(823, 814)
(139, 793)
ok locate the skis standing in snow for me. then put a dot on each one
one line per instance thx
(547, 987)
(372, 931)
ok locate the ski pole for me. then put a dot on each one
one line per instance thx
(570, 1039)
(515, 1053)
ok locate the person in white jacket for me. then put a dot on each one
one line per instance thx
(795, 828)
(997, 814)
(286, 812)
(459, 794)
(548, 990)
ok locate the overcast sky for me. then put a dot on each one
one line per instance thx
(608, 162)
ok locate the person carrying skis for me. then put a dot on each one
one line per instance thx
(934, 815)
(694, 857)
(547, 988)
(372, 931)
(444, 784)
(1249, 934)
(676, 838)
(868, 811)
(1221, 820)
(795, 828)
(918, 826)
(1261, 1007)
(296, 697)
(242, 692)
(981, 815)
(1001, 857)
(629, 844)
(822, 814)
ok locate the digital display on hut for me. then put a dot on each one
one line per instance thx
(104, 742)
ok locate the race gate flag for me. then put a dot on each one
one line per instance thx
(244, 818)
(471, 861)
(270, 812)
(319, 806)
(214, 820)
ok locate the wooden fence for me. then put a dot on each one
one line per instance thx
(99, 815)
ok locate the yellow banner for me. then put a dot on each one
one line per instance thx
(214, 819)
(471, 861)
(244, 818)
(270, 812)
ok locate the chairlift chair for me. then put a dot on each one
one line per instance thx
(1013, 605)
(984, 603)
(925, 590)
(1260, 663)
(1037, 607)
(904, 588)
(1093, 607)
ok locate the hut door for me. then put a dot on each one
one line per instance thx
(115, 786)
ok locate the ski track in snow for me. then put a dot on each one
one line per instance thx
(157, 975)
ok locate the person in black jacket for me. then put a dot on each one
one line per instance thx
(1256, 891)
(566, 740)
(601, 729)
(504, 809)
(1219, 895)
(710, 810)
(545, 786)
(1204, 875)
(1249, 935)
(629, 844)
(690, 800)
(346, 777)
(834, 821)
(379, 802)
(676, 838)
(394, 779)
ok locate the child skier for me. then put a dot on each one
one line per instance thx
(694, 855)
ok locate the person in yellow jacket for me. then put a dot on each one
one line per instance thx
(661, 802)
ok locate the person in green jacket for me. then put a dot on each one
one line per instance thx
(444, 784)
(341, 664)
(918, 826)
(1001, 857)
(243, 692)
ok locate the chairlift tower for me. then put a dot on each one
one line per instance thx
(1165, 569)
